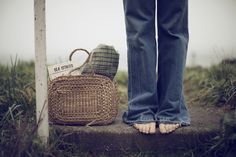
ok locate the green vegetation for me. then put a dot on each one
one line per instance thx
(214, 86)
(122, 81)
(17, 103)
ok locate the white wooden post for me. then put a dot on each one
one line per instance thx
(41, 70)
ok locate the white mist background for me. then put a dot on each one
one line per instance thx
(86, 23)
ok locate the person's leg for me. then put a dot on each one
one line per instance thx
(173, 38)
(141, 44)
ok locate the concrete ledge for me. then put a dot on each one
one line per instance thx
(119, 137)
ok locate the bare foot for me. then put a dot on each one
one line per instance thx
(146, 128)
(168, 128)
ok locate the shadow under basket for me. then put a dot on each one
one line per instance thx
(88, 99)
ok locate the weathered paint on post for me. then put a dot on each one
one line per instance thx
(41, 70)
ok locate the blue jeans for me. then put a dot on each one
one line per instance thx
(151, 97)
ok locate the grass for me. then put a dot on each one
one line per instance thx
(17, 107)
(122, 81)
(214, 86)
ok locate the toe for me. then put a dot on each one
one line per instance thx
(136, 126)
(165, 128)
(162, 128)
(177, 126)
(141, 128)
(146, 128)
(174, 127)
(152, 128)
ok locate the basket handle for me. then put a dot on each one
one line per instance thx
(71, 54)
(86, 61)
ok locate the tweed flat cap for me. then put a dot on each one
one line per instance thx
(103, 60)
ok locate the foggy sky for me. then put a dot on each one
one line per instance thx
(87, 23)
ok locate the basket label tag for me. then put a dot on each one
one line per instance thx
(62, 69)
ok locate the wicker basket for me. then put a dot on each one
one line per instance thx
(88, 99)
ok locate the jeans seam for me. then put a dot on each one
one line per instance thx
(131, 81)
